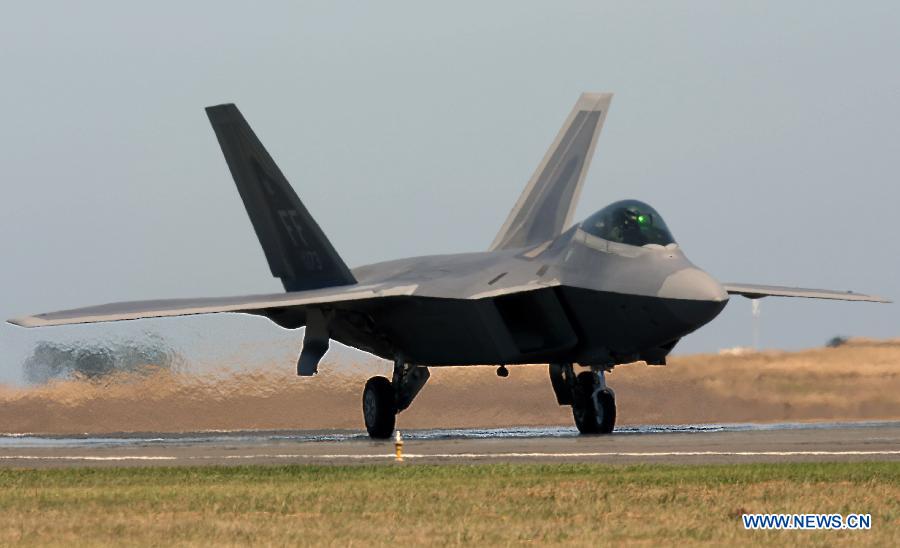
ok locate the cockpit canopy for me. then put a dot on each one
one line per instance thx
(629, 222)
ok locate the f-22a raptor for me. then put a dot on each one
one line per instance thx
(612, 289)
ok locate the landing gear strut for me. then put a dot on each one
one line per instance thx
(383, 399)
(593, 402)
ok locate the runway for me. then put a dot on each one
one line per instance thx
(683, 444)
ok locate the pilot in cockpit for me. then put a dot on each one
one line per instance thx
(629, 222)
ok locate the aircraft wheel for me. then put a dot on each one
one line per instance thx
(379, 409)
(606, 421)
(582, 406)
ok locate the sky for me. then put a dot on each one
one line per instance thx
(766, 133)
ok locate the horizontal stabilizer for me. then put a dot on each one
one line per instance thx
(752, 291)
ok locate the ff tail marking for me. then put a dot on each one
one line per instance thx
(297, 250)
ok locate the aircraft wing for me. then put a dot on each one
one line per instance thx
(250, 304)
(752, 291)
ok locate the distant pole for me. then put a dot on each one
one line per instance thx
(754, 308)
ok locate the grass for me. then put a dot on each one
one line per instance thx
(441, 505)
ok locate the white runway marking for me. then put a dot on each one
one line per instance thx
(664, 454)
(84, 457)
(875, 453)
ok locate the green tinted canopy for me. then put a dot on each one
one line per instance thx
(629, 222)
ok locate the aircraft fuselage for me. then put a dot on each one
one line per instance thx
(576, 299)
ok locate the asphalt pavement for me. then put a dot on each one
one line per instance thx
(682, 444)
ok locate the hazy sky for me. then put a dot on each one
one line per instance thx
(766, 133)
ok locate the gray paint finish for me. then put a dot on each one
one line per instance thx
(543, 293)
(752, 291)
(548, 203)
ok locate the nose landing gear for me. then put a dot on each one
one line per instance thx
(593, 402)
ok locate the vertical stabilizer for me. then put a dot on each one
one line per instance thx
(296, 248)
(548, 203)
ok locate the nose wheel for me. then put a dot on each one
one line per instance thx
(593, 402)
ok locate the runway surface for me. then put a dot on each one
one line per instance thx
(709, 443)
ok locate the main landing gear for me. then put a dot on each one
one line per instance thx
(593, 402)
(383, 399)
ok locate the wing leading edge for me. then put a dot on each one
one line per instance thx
(753, 291)
(260, 304)
(250, 304)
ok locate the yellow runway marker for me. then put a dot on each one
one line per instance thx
(398, 447)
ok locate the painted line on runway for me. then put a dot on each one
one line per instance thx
(85, 457)
(875, 453)
(663, 454)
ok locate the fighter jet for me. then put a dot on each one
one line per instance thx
(612, 289)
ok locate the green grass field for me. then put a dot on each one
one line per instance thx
(444, 505)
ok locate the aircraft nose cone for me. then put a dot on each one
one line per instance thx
(692, 284)
(693, 296)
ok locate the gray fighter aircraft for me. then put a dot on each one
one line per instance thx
(612, 289)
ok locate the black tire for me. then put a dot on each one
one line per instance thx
(607, 420)
(379, 409)
(582, 407)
